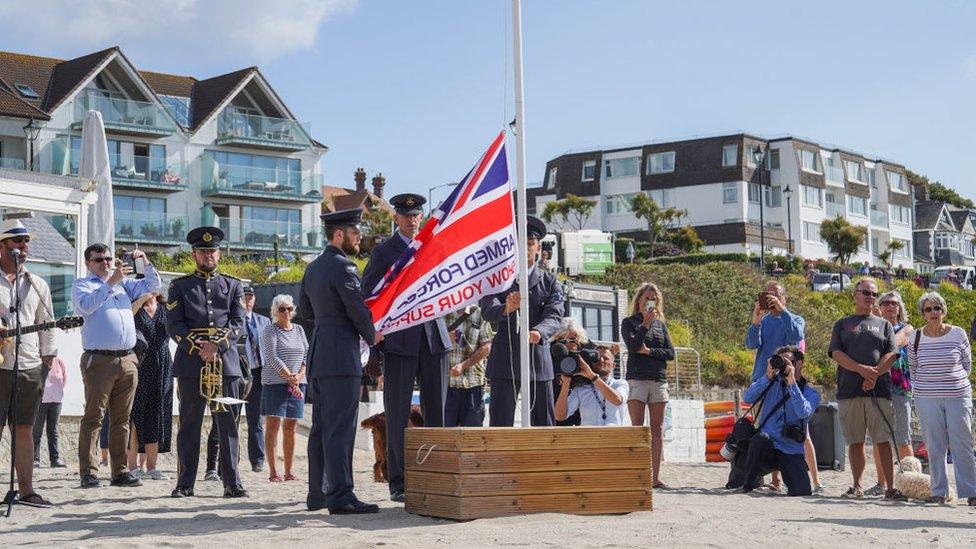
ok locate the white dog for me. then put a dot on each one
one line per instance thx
(913, 483)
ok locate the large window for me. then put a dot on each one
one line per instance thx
(261, 225)
(619, 204)
(901, 214)
(660, 163)
(730, 192)
(127, 160)
(662, 197)
(551, 182)
(589, 170)
(751, 154)
(242, 169)
(947, 241)
(754, 193)
(905, 252)
(597, 321)
(812, 196)
(772, 159)
(621, 167)
(872, 178)
(857, 205)
(897, 181)
(855, 171)
(730, 155)
(811, 232)
(139, 217)
(810, 161)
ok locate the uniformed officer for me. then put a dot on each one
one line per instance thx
(206, 305)
(331, 294)
(419, 352)
(546, 302)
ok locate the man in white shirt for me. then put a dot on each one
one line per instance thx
(600, 402)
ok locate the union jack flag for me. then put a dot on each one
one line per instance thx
(466, 250)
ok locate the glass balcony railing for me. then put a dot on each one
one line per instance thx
(834, 174)
(143, 172)
(835, 209)
(150, 227)
(11, 163)
(262, 234)
(238, 128)
(271, 183)
(879, 219)
(122, 115)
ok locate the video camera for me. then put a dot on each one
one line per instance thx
(564, 359)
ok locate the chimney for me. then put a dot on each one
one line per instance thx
(378, 182)
(360, 178)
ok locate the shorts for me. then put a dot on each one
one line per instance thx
(903, 419)
(276, 401)
(30, 387)
(859, 416)
(647, 390)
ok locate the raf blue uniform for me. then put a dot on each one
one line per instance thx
(546, 303)
(199, 301)
(254, 324)
(331, 294)
(416, 353)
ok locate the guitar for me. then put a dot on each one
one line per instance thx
(66, 323)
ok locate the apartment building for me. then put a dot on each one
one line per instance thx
(223, 150)
(718, 181)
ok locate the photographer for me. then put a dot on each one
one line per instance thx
(574, 337)
(773, 326)
(601, 400)
(788, 404)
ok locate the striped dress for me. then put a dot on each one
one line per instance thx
(281, 348)
(940, 368)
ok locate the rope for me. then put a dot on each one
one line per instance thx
(421, 449)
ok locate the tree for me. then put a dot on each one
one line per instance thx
(938, 191)
(893, 246)
(843, 239)
(378, 221)
(687, 239)
(579, 208)
(659, 220)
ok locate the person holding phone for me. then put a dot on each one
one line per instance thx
(649, 348)
(772, 326)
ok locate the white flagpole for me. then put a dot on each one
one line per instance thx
(523, 279)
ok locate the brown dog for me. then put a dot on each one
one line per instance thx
(377, 422)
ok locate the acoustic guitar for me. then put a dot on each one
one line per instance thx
(66, 323)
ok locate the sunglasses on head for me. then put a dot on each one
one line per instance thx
(936, 308)
(869, 293)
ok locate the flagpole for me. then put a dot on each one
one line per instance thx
(523, 279)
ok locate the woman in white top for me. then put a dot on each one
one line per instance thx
(940, 359)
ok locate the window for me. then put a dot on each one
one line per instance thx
(660, 163)
(662, 197)
(754, 193)
(812, 196)
(26, 91)
(811, 232)
(240, 169)
(905, 252)
(810, 161)
(946, 241)
(730, 155)
(875, 245)
(772, 159)
(901, 214)
(774, 196)
(872, 179)
(178, 108)
(138, 217)
(260, 225)
(751, 154)
(897, 182)
(857, 205)
(589, 170)
(855, 171)
(551, 181)
(730, 192)
(621, 167)
(597, 321)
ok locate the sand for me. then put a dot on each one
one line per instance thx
(694, 513)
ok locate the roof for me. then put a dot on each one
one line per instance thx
(47, 243)
(169, 84)
(927, 214)
(68, 75)
(339, 198)
(31, 70)
(11, 104)
(210, 93)
(959, 218)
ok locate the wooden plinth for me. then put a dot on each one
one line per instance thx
(473, 472)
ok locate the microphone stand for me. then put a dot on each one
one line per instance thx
(11, 496)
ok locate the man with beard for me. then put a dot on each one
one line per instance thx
(331, 295)
(205, 317)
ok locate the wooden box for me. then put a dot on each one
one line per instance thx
(474, 472)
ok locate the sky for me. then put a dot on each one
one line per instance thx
(417, 89)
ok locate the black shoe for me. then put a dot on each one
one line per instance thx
(257, 467)
(90, 481)
(235, 492)
(355, 508)
(126, 480)
(58, 463)
(182, 492)
(315, 505)
(398, 497)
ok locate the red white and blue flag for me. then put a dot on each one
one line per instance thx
(465, 251)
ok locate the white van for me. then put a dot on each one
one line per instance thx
(967, 275)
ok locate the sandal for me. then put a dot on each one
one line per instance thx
(290, 476)
(34, 500)
(275, 478)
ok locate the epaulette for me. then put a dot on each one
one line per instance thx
(187, 275)
(232, 277)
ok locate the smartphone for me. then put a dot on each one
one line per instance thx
(138, 265)
(651, 305)
(763, 299)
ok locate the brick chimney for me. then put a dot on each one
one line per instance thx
(360, 178)
(378, 183)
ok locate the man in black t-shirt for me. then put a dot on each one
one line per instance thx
(863, 346)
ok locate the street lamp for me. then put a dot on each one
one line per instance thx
(788, 193)
(430, 194)
(31, 130)
(759, 156)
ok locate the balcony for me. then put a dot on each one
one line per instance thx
(124, 116)
(835, 209)
(145, 173)
(150, 227)
(879, 219)
(835, 175)
(262, 132)
(11, 163)
(261, 235)
(229, 181)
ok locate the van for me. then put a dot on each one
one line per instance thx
(966, 274)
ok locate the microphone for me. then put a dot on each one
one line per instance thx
(16, 253)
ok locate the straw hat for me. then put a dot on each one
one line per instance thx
(12, 228)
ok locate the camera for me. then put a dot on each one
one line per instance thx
(778, 364)
(794, 432)
(564, 359)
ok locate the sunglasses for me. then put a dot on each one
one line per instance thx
(869, 293)
(20, 239)
(105, 259)
(937, 308)
(284, 309)
(886, 303)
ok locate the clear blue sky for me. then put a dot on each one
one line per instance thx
(417, 89)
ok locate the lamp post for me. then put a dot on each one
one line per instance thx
(760, 156)
(788, 193)
(31, 130)
(430, 195)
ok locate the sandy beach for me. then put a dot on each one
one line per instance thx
(695, 512)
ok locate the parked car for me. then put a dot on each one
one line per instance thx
(823, 282)
(965, 274)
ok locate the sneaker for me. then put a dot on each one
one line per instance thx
(971, 501)
(876, 490)
(819, 488)
(211, 475)
(941, 500)
(137, 473)
(258, 467)
(37, 464)
(90, 481)
(126, 480)
(894, 495)
(155, 474)
(58, 463)
(854, 492)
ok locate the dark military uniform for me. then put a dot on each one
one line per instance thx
(196, 302)
(331, 294)
(546, 303)
(416, 353)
